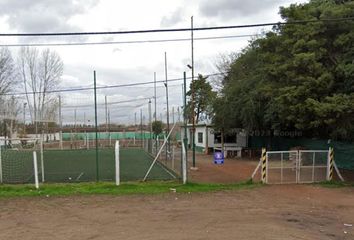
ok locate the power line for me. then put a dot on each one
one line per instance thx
(123, 42)
(103, 87)
(171, 29)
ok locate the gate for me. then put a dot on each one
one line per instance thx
(303, 166)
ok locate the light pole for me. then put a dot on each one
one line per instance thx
(193, 97)
(24, 118)
(193, 119)
(168, 112)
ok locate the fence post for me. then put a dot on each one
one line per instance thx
(42, 159)
(35, 168)
(264, 165)
(184, 164)
(330, 164)
(117, 163)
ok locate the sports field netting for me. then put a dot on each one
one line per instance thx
(80, 166)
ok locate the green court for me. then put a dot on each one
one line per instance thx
(80, 166)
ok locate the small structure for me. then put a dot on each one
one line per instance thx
(207, 140)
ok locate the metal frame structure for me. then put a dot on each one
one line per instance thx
(297, 157)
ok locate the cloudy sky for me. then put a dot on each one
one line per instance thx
(134, 62)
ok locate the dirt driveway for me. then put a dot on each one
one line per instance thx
(233, 170)
(269, 212)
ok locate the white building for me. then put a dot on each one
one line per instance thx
(208, 141)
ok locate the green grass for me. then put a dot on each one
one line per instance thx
(335, 184)
(155, 187)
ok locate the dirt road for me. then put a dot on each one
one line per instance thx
(270, 212)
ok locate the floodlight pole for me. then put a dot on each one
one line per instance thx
(150, 127)
(60, 125)
(141, 127)
(168, 111)
(155, 115)
(24, 119)
(155, 110)
(193, 96)
(96, 126)
(185, 139)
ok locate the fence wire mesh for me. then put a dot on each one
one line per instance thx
(75, 149)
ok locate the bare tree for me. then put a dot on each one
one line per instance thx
(40, 73)
(7, 70)
(8, 105)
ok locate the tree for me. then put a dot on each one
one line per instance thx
(297, 77)
(8, 105)
(7, 70)
(203, 97)
(157, 127)
(40, 73)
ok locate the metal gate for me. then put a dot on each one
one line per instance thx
(303, 166)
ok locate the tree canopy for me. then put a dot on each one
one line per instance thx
(203, 97)
(297, 77)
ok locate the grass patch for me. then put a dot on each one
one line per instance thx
(335, 184)
(155, 187)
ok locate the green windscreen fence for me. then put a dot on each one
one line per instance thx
(343, 151)
(105, 135)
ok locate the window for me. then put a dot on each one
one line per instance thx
(200, 137)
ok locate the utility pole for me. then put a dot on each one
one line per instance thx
(155, 114)
(167, 110)
(173, 115)
(24, 119)
(155, 111)
(106, 112)
(185, 139)
(60, 125)
(141, 127)
(193, 98)
(150, 126)
(96, 125)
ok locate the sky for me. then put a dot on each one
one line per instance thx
(117, 64)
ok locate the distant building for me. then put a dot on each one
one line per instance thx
(207, 140)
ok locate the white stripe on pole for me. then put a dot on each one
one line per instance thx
(117, 163)
(35, 169)
(184, 164)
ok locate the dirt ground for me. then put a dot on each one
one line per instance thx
(233, 170)
(269, 212)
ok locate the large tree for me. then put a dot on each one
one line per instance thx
(298, 77)
(203, 95)
(7, 70)
(8, 104)
(40, 73)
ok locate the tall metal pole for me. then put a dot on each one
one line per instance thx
(155, 110)
(193, 97)
(135, 127)
(106, 112)
(155, 114)
(185, 139)
(173, 115)
(168, 112)
(24, 119)
(96, 125)
(141, 127)
(150, 127)
(60, 125)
